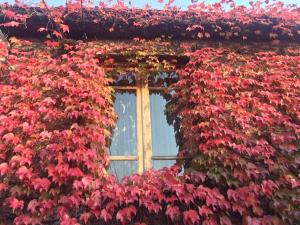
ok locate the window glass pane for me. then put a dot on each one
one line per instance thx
(162, 79)
(163, 135)
(122, 168)
(124, 140)
(158, 164)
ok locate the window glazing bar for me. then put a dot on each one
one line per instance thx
(124, 87)
(139, 120)
(161, 88)
(122, 158)
(166, 157)
(146, 123)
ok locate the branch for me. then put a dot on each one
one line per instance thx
(51, 18)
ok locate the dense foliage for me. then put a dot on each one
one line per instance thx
(239, 119)
(236, 113)
(223, 20)
(55, 117)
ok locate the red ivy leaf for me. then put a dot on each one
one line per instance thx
(41, 184)
(64, 27)
(4, 168)
(51, 44)
(8, 13)
(190, 217)
(172, 212)
(10, 137)
(15, 204)
(205, 211)
(126, 214)
(85, 217)
(32, 206)
(24, 172)
(42, 29)
(57, 34)
(225, 220)
(105, 215)
(10, 24)
(3, 187)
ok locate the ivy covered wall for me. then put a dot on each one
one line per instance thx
(239, 119)
(237, 115)
(236, 112)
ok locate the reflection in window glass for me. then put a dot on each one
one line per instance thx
(162, 79)
(122, 168)
(163, 135)
(124, 140)
(127, 79)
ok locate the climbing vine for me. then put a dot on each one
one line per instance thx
(235, 112)
(55, 116)
(239, 121)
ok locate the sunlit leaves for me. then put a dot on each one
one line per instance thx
(239, 123)
(190, 217)
(238, 111)
(46, 153)
(238, 119)
(15, 204)
(272, 21)
(126, 214)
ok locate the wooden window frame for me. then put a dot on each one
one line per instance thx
(144, 140)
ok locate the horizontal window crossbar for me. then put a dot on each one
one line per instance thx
(124, 87)
(123, 158)
(167, 157)
(134, 158)
(161, 88)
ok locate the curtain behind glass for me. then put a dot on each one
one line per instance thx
(124, 135)
(163, 135)
(124, 140)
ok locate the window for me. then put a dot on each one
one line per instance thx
(142, 138)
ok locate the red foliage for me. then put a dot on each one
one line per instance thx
(240, 121)
(238, 118)
(54, 113)
(15, 18)
(224, 19)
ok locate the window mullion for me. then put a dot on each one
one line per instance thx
(140, 148)
(146, 123)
